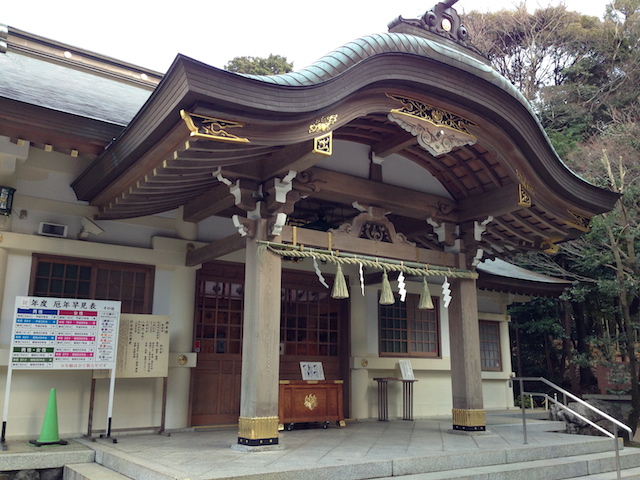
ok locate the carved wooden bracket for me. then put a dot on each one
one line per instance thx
(246, 194)
(245, 226)
(579, 221)
(447, 232)
(279, 194)
(372, 225)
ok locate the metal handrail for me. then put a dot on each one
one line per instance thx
(616, 423)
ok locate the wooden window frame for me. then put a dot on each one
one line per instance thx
(414, 300)
(309, 328)
(219, 315)
(304, 323)
(484, 359)
(146, 302)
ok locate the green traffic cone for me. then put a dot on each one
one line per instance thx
(49, 432)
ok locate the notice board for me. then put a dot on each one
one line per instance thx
(143, 347)
(61, 333)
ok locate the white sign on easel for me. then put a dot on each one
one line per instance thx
(63, 334)
(406, 370)
(143, 347)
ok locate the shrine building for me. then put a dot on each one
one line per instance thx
(356, 214)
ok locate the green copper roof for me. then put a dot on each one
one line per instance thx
(345, 57)
(363, 48)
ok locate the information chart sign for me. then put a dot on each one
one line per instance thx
(62, 333)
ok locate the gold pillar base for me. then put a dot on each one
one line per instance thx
(469, 420)
(258, 431)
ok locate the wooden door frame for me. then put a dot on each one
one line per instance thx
(234, 272)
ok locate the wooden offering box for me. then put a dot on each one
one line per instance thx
(310, 401)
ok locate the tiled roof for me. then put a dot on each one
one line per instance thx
(504, 269)
(50, 84)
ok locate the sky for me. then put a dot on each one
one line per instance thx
(150, 33)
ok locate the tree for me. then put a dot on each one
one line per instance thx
(272, 65)
(600, 87)
(535, 347)
(583, 76)
(532, 50)
(621, 228)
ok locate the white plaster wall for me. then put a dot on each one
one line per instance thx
(353, 159)
(29, 397)
(432, 391)
(498, 393)
(183, 280)
(491, 302)
(496, 387)
(137, 402)
(17, 284)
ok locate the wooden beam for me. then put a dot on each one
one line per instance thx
(408, 253)
(495, 202)
(410, 227)
(214, 250)
(339, 187)
(211, 203)
(564, 232)
(393, 145)
(296, 157)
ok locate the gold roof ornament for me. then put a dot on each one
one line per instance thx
(437, 130)
(210, 128)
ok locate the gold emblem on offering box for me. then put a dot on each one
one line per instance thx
(311, 401)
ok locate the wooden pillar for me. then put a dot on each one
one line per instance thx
(258, 422)
(466, 380)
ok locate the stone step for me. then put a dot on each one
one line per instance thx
(90, 471)
(577, 466)
(558, 461)
(627, 474)
(131, 467)
(482, 458)
(546, 426)
(20, 455)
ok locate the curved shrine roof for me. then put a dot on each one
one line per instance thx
(211, 141)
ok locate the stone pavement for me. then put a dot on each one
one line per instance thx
(362, 449)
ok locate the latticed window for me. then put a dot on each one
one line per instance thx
(66, 277)
(406, 330)
(309, 324)
(490, 346)
(220, 312)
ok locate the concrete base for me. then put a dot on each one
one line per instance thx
(21, 455)
(259, 448)
(90, 471)
(469, 433)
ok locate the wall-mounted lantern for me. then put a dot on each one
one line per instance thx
(6, 200)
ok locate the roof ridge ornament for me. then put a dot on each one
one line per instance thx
(442, 20)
